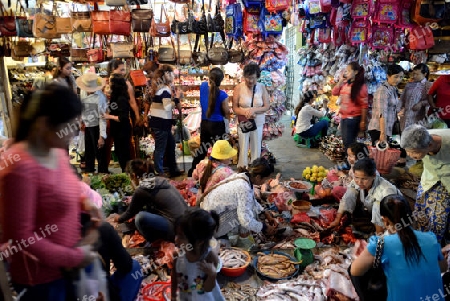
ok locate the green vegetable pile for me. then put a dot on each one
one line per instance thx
(120, 183)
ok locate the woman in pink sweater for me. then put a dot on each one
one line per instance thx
(41, 197)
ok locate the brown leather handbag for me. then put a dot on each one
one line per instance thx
(7, 23)
(81, 21)
(120, 22)
(161, 29)
(141, 19)
(79, 55)
(100, 21)
(44, 25)
(24, 26)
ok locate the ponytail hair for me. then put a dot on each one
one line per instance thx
(306, 98)
(423, 69)
(206, 174)
(215, 79)
(398, 211)
(358, 82)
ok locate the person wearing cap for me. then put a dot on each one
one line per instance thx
(40, 82)
(216, 168)
(94, 107)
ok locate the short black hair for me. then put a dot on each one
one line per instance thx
(360, 150)
(251, 69)
(367, 165)
(394, 69)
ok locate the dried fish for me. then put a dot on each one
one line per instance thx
(233, 258)
(275, 265)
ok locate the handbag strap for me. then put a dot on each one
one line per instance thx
(379, 252)
(253, 95)
(238, 177)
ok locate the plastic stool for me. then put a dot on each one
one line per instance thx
(306, 142)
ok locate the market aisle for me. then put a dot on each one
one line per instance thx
(291, 160)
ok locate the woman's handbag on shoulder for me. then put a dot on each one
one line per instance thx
(372, 285)
(247, 125)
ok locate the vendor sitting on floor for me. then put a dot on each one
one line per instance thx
(305, 113)
(363, 200)
(234, 200)
(163, 202)
(216, 168)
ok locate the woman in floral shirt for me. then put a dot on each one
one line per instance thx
(215, 169)
(385, 108)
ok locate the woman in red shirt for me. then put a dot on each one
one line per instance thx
(353, 108)
(441, 89)
(40, 197)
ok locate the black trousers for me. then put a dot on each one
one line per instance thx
(375, 136)
(121, 133)
(91, 136)
(210, 132)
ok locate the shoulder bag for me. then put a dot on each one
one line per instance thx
(100, 21)
(44, 26)
(81, 20)
(122, 49)
(372, 286)
(247, 125)
(7, 23)
(138, 78)
(160, 29)
(141, 19)
(167, 54)
(120, 22)
(24, 26)
(184, 27)
(95, 55)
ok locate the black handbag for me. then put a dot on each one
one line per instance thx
(182, 27)
(248, 125)
(396, 126)
(372, 285)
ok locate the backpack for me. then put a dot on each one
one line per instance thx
(325, 6)
(386, 12)
(362, 9)
(323, 35)
(318, 21)
(339, 35)
(359, 32)
(233, 21)
(251, 19)
(253, 3)
(343, 15)
(382, 36)
(277, 5)
(314, 7)
(270, 23)
(404, 20)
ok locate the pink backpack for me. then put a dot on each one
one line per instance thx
(404, 20)
(362, 9)
(323, 35)
(382, 36)
(343, 15)
(339, 35)
(387, 11)
(360, 32)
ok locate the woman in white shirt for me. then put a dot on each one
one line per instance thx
(305, 112)
(245, 94)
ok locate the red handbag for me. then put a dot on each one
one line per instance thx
(95, 55)
(7, 23)
(138, 78)
(420, 38)
(100, 21)
(120, 22)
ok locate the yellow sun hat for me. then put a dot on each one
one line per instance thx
(223, 150)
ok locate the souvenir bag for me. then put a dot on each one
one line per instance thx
(373, 284)
(81, 20)
(318, 21)
(233, 21)
(270, 23)
(251, 19)
(200, 58)
(404, 20)
(423, 12)
(247, 125)
(382, 36)
(100, 21)
(359, 32)
(277, 5)
(59, 50)
(343, 15)
(362, 9)
(44, 26)
(167, 53)
(24, 26)
(294, 18)
(141, 19)
(120, 22)
(95, 55)
(7, 23)
(387, 11)
(420, 38)
(160, 29)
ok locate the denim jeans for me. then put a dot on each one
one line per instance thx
(154, 227)
(128, 285)
(164, 141)
(349, 130)
(320, 127)
(55, 291)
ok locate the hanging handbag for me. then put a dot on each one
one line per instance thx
(167, 54)
(22, 49)
(420, 38)
(24, 26)
(160, 29)
(138, 78)
(120, 22)
(372, 286)
(185, 27)
(116, 2)
(235, 55)
(7, 23)
(247, 125)
(64, 25)
(184, 55)
(81, 21)
(44, 26)
(218, 55)
(141, 19)
(122, 49)
(95, 55)
(100, 21)
(79, 55)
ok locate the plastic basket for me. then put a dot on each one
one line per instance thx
(385, 159)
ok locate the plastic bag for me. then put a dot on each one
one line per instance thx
(92, 280)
